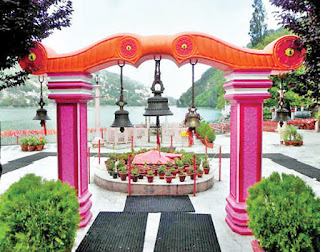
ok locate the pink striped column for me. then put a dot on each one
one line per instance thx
(71, 93)
(246, 92)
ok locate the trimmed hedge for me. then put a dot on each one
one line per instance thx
(38, 215)
(284, 214)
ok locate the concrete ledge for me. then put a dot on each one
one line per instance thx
(158, 187)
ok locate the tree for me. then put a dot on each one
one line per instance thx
(258, 26)
(302, 17)
(22, 23)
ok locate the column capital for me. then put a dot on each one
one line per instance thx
(70, 88)
(247, 86)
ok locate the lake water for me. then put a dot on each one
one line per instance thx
(21, 118)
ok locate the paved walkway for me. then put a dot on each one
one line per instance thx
(276, 158)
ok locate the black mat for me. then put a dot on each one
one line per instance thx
(186, 232)
(155, 204)
(116, 232)
(24, 161)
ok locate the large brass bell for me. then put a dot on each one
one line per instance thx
(121, 116)
(281, 115)
(157, 105)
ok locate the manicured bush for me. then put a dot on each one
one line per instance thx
(211, 136)
(204, 130)
(38, 215)
(284, 214)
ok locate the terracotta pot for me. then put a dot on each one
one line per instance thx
(191, 176)
(150, 178)
(134, 178)
(182, 178)
(39, 147)
(32, 147)
(161, 175)
(24, 147)
(155, 172)
(200, 174)
(206, 170)
(123, 176)
(169, 179)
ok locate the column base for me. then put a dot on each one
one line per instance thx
(237, 217)
(84, 209)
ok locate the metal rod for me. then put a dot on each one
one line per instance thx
(194, 176)
(121, 83)
(220, 163)
(129, 176)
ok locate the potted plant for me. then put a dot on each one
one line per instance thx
(182, 176)
(135, 174)
(168, 176)
(291, 136)
(191, 173)
(284, 214)
(123, 172)
(32, 143)
(199, 172)
(150, 176)
(24, 144)
(205, 166)
(162, 171)
(169, 164)
(111, 167)
(40, 143)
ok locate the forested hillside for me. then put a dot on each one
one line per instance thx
(208, 91)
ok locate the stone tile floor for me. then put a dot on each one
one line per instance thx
(209, 202)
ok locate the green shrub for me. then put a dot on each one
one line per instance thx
(284, 214)
(211, 136)
(38, 215)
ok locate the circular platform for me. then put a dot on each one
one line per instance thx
(158, 187)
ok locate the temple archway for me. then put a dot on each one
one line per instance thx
(247, 75)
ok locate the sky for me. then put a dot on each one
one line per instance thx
(95, 20)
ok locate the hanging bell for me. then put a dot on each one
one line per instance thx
(121, 116)
(121, 119)
(157, 105)
(281, 115)
(192, 119)
(41, 115)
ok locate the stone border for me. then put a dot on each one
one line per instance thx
(158, 187)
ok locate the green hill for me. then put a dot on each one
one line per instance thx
(135, 93)
(208, 91)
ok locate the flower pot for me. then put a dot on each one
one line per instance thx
(161, 175)
(39, 147)
(24, 147)
(115, 175)
(191, 176)
(140, 176)
(134, 178)
(169, 179)
(123, 176)
(155, 172)
(206, 170)
(200, 174)
(150, 179)
(182, 178)
(32, 147)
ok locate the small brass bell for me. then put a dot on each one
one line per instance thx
(41, 115)
(192, 118)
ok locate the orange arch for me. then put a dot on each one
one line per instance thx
(283, 54)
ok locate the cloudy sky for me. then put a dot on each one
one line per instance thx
(96, 19)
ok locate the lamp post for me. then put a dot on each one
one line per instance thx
(97, 138)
